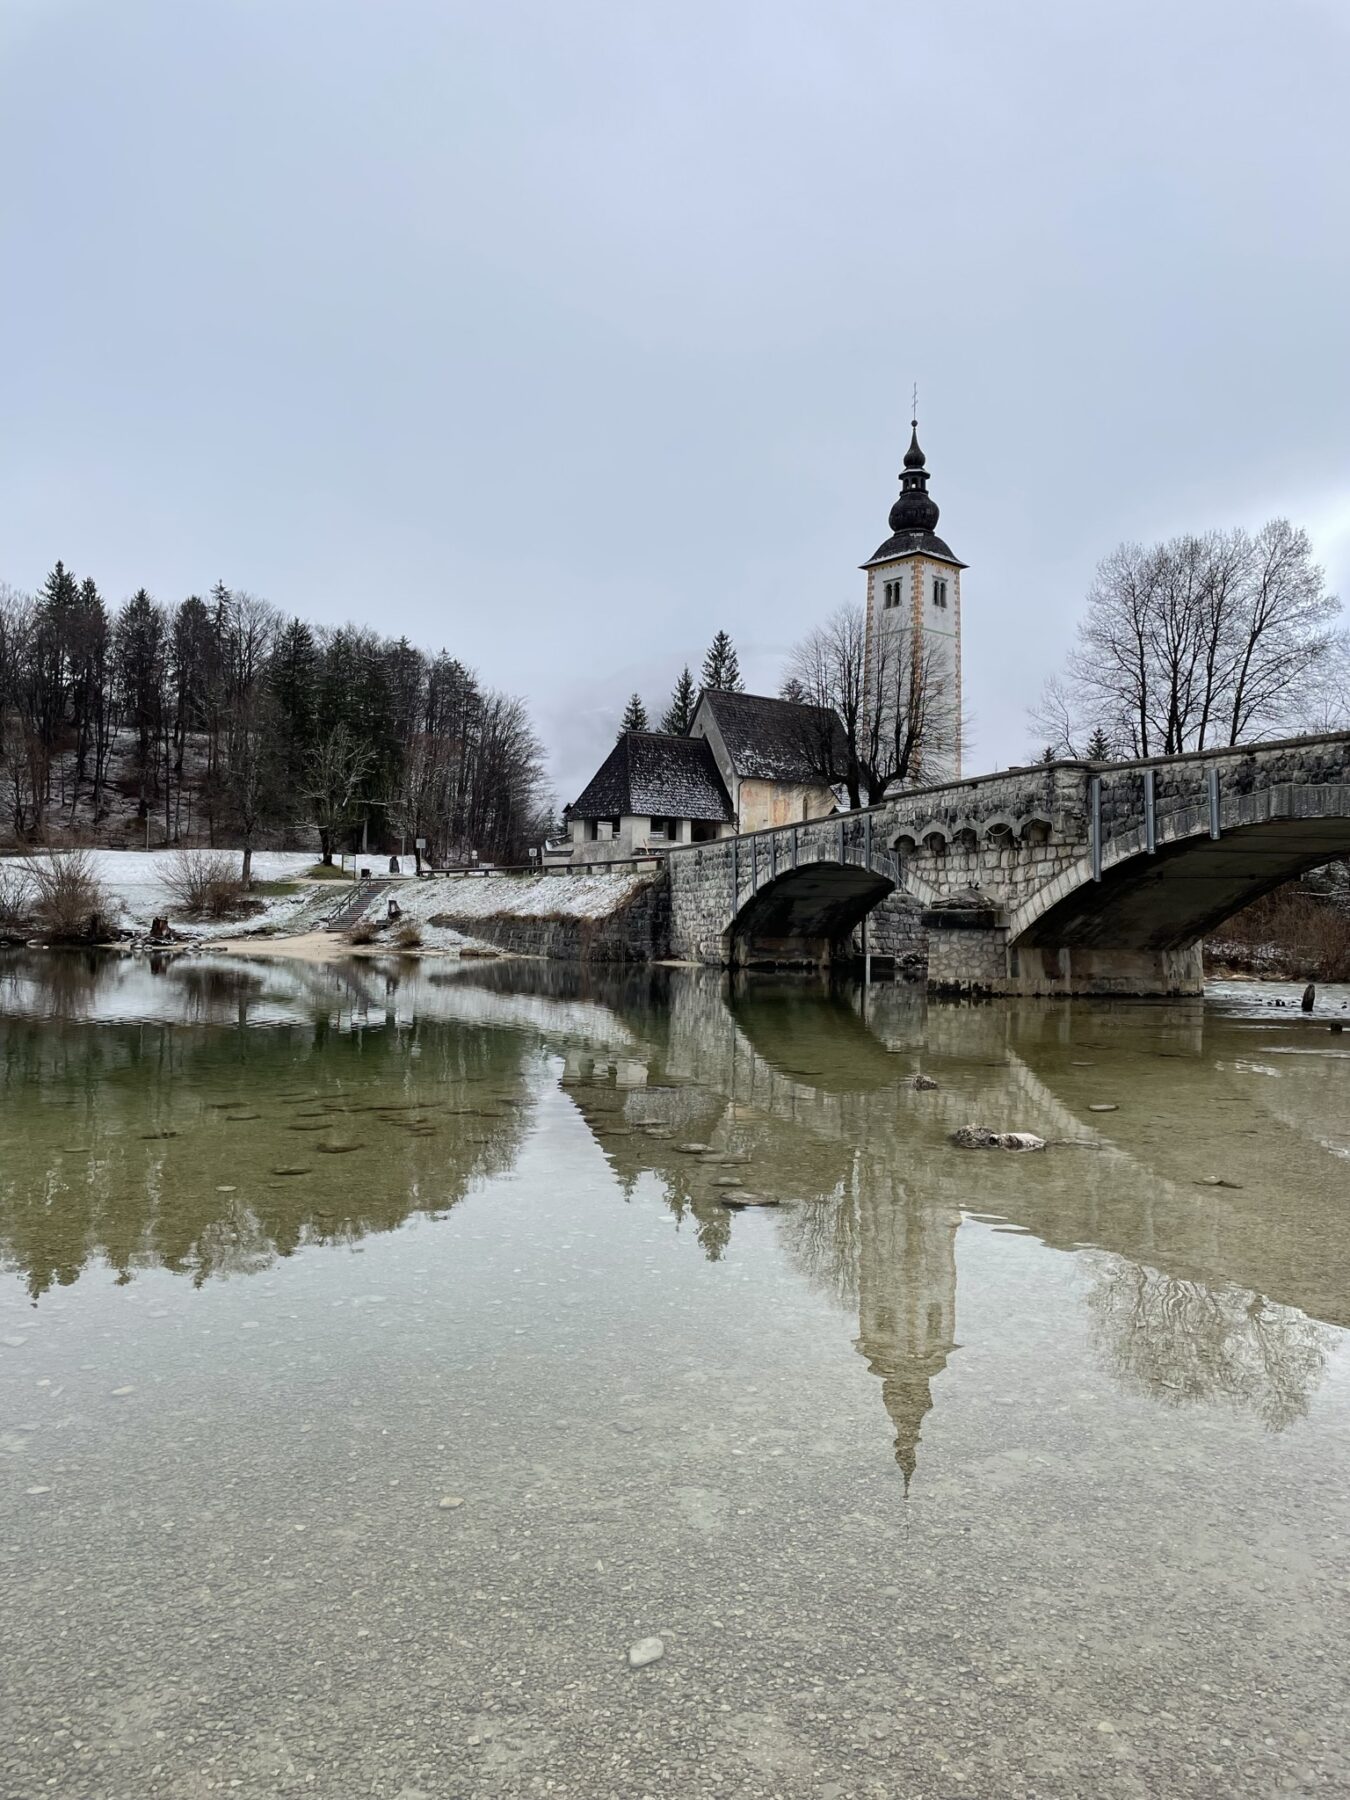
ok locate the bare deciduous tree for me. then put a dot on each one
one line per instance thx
(334, 782)
(1198, 641)
(897, 707)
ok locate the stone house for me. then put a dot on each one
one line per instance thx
(652, 790)
(778, 759)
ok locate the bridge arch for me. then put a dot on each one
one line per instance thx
(1172, 896)
(806, 914)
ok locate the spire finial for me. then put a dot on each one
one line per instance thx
(914, 407)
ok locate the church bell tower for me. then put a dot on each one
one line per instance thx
(914, 620)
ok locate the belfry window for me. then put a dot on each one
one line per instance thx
(940, 591)
(892, 594)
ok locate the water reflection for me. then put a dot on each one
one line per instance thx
(210, 1115)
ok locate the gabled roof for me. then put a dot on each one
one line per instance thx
(777, 740)
(655, 775)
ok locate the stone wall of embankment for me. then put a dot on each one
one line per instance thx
(635, 929)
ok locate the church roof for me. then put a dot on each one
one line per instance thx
(652, 774)
(776, 740)
(914, 516)
(913, 543)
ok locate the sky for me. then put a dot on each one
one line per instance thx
(563, 335)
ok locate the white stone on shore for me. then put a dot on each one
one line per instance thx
(646, 1650)
(448, 1502)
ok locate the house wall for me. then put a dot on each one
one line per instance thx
(705, 726)
(765, 803)
(634, 838)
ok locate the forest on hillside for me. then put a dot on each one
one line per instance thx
(220, 720)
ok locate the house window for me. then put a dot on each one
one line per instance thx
(661, 828)
(892, 594)
(614, 827)
(940, 591)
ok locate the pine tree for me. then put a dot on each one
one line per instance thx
(679, 715)
(795, 690)
(634, 716)
(721, 670)
(1098, 746)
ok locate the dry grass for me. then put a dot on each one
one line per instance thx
(408, 937)
(363, 933)
(69, 904)
(205, 884)
(1292, 933)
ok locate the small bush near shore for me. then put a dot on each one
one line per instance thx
(16, 897)
(364, 933)
(205, 884)
(69, 904)
(1290, 933)
(408, 937)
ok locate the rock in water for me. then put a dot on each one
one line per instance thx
(980, 1137)
(1104, 1106)
(1309, 999)
(923, 1084)
(738, 1199)
(646, 1650)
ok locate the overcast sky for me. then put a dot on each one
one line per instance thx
(561, 334)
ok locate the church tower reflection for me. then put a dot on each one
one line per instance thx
(906, 1304)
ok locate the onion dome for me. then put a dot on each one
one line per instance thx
(914, 510)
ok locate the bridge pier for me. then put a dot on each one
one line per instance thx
(965, 959)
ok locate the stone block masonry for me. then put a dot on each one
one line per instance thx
(1060, 879)
(636, 928)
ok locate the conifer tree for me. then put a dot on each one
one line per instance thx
(679, 715)
(794, 689)
(634, 715)
(721, 670)
(1098, 746)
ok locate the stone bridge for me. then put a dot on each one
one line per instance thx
(1063, 878)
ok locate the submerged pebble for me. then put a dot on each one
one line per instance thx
(646, 1650)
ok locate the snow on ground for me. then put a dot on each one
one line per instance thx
(591, 896)
(135, 882)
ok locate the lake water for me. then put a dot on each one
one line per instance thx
(379, 1365)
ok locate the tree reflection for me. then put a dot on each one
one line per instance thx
(1184, 1343)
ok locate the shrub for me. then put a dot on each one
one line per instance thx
(363, 933)
(205, 884)
(70, 904)
(1293, 933)
(16, 897)
(408, 937)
